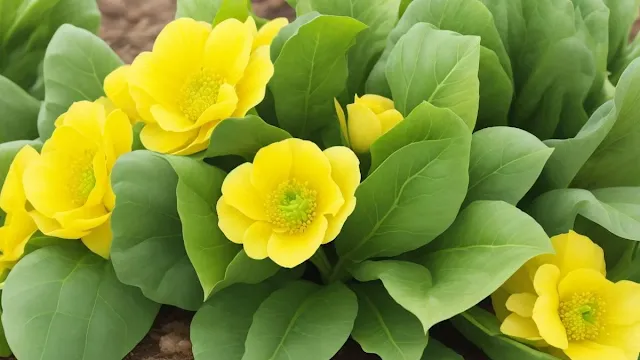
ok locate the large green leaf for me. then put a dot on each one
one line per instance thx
(616, 161)
(623, 14)
(311, 70)
(483, 329)
(75, 66)
(302, 321)
(486, 244)
(437, 66)
(467, 17)
(213, 11)
(380, 15)
(5, 351)
(384, 328)
(288, 31)
(505, 163)
(615, 209)
(412, 197)
(219, 329)
(217, 261)
(65, 303)
(148, 249)
(18, 113)
(256, 134)
(436, 351)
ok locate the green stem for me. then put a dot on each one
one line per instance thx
(339, 272)
(320, 260)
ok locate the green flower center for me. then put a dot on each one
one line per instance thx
(582, 316)
(199, 93)
(291, 207)
(82, 177)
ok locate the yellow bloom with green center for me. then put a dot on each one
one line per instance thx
(18, 226)
(68, 184)
(370, 117)
(569, 306)
(196, 77)
(116, 87)
(292, 199)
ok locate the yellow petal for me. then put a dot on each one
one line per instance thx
(169, 120)
(228, 49)
(378, 104)
(144, 102)
(51, 227)
(109, 198)
(345, 169)
(165, 142)
(269, 31)
(101, 183)
(626, 338)
(520, 327)
(574, 251)
(252, 87)
(224, 107)
(389, 119)
(499, 301)
(342, 120)
(116, 86)
(623, 303)
(546, 280)
(520, 282)
(364, 127)
(250, 23)
(231, 221)
(521, 304)
(240, 193)
(272, 166)
(87, 118)
(290, 251)
(256, 239)
(588, 350)
(151, 83)
(12, 197)
(83, 219)
(336, 222)
(99, 240)
(118, 136)
(545, 311)
(14, 235)
(584, 280)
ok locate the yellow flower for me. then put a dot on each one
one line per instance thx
(573, 307)
(196, 77)
(116, 86)
(370, 117)
(292, 199)
(268, 32)
(18, 226)
(68, 184)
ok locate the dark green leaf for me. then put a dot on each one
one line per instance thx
(436, 351)
(5, 351)
(18, 113)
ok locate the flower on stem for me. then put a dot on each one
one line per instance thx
(564, 304)
(293, 198)
(370, 117)
(116, 87)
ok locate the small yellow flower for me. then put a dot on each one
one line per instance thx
(370, 117)
(196, 77)
(18, 226)
(68, 184)
(292, 199)
(572, 307)
(116, 86)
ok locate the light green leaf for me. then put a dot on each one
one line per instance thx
(437, 66)
(75, 66)
(219, 329)
(407, 283)
(66, 295)
(288, 31)
(384, 328)
(483, 329)
(301, 87)
(148, 249)
(615, 209)
(9, 150)
(411, 198)
(380, 16)
(486, 244)
(18, 113)
(256, 134)
(505, 163)
(622, 15)
(201, 10)
(302, 321)
(5, 351)
(436, 351)
(232, 9)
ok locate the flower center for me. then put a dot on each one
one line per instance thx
(582, 316)
(199, 93)
(291, 206)
(82, 177)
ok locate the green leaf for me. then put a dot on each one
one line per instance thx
(483, 329)
(615, 209)
(217, 261)
(8, 11)
(486, 244)
(5, 351)
(437, 66)
(436, 351)
(411, 198)
(219, 329)
(18, 113)
(148, 249)
(9, 150)
(407, 283)
(256, 134)
(75, 66)
(65, 303)
(288, 31)
(302, 321)
(505, 163)
(384, 328)
(380, 16)
(201, 10)
(622, 15)
(301, 87)
(619, 149)
(232, 9)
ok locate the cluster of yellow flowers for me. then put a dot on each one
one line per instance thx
(564, 304)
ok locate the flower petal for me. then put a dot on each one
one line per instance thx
(99, 239)
(228, 50)
(169, 120)
(51, 227)
(231, 221)
(520, 327)
(116, 86)
(342, 120)
(545, 311)
(272, 166)
(336, 222)
(626, 338)
(623, 303)
(345, 169)
(226, 104)
(546, 280)
(12, 197)
(588, 350)
(150, 84)
(85, 117)
(521, 304)
(14, 235)
(378, 104)
(290, 251)
(389, 119)
(252, 87)
(364, 127)
(499, 301)
(584, 280)
(269, 31)
(574, 251)
(165, 142)
(118, 136)
(256, 239)
(83, 219)
(240, 193)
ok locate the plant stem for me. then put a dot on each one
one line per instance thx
(320, 260)
(338, 273)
